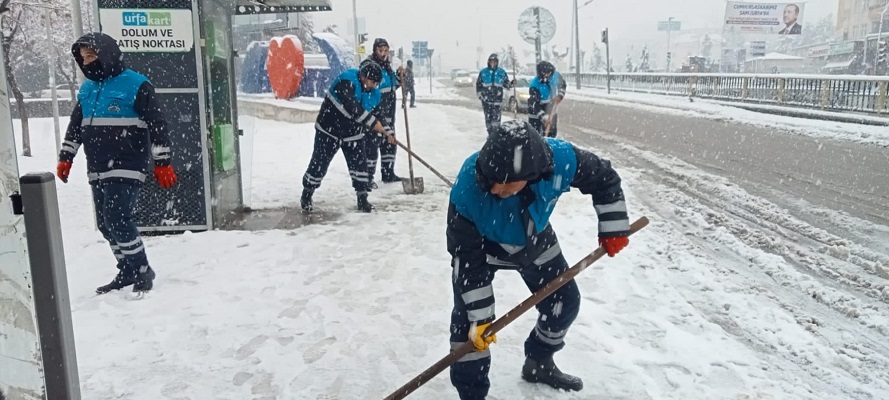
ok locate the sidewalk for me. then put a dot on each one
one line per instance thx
(679, 102)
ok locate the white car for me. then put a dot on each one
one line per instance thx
(517, 100)
(463, 79)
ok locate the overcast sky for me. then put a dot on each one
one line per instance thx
(456, 28)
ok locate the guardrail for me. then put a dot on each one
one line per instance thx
(864, 94)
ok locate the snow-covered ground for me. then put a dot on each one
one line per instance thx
(723, 296)
(703, 108)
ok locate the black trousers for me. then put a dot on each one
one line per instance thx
(556, 314)
(380, 151)
(492, 115)
(326, 147)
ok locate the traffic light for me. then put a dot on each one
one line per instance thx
(605, 36)
(362, 38)
(882, 51)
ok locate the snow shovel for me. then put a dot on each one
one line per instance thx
(552, 118)
(507, 318)
(413, 185)
(426, 164)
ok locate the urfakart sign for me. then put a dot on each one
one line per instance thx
(149, 30)
(765, 18)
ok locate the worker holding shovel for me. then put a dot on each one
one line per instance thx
(498, 218)
(546, 92)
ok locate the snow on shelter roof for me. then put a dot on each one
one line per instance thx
(243, 7)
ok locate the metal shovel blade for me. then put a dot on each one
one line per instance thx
(415, 188)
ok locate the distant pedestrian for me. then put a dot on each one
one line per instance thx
(408, 81)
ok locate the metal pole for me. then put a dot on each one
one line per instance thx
(96, 17)
(355, 26)
(608, 61)
(52, 306)
(879, 37)
(537, 44)
(669, 30)
(577, 44)
(52, 83)
(77, 16)
(430, 71)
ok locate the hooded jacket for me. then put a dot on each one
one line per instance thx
(388, 86)
(484, 230)
(117, 117)
(490, 84)
(348, 110)
(542, 92)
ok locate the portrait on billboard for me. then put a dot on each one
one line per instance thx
(765, 18)
(791, 21)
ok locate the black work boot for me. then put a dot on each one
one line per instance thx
(144, 281)
(363, 204)
(545, 371)
(391, 178)
(305, 201)
(120, 281)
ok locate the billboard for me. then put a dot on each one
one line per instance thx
(768, 18)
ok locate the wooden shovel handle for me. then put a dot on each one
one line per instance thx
(508, 318)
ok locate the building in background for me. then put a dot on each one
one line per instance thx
(858, 18)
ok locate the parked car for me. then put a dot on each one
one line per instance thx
(517, 100)
(463, 79)
(62, 90)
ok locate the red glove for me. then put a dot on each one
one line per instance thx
(165, 176)
(63, 170)
(614, 245)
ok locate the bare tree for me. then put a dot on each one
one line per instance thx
(11, 29)
(28, 45)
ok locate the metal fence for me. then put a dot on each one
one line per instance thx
(864, 94)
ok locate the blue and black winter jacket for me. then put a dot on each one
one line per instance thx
(484, 230)
(348, 110)
(117, 117)
(388, 87)
(490, 84)
(541, 94)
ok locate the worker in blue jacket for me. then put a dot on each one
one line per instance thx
(489, 89)
(546, 91)
(499, 218)
(349, 109)
(120, 124)
(379, 149)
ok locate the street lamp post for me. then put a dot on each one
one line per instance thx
(355, 26)
(879, 37)
(577, 55)
(669, 53)
(576, 46)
